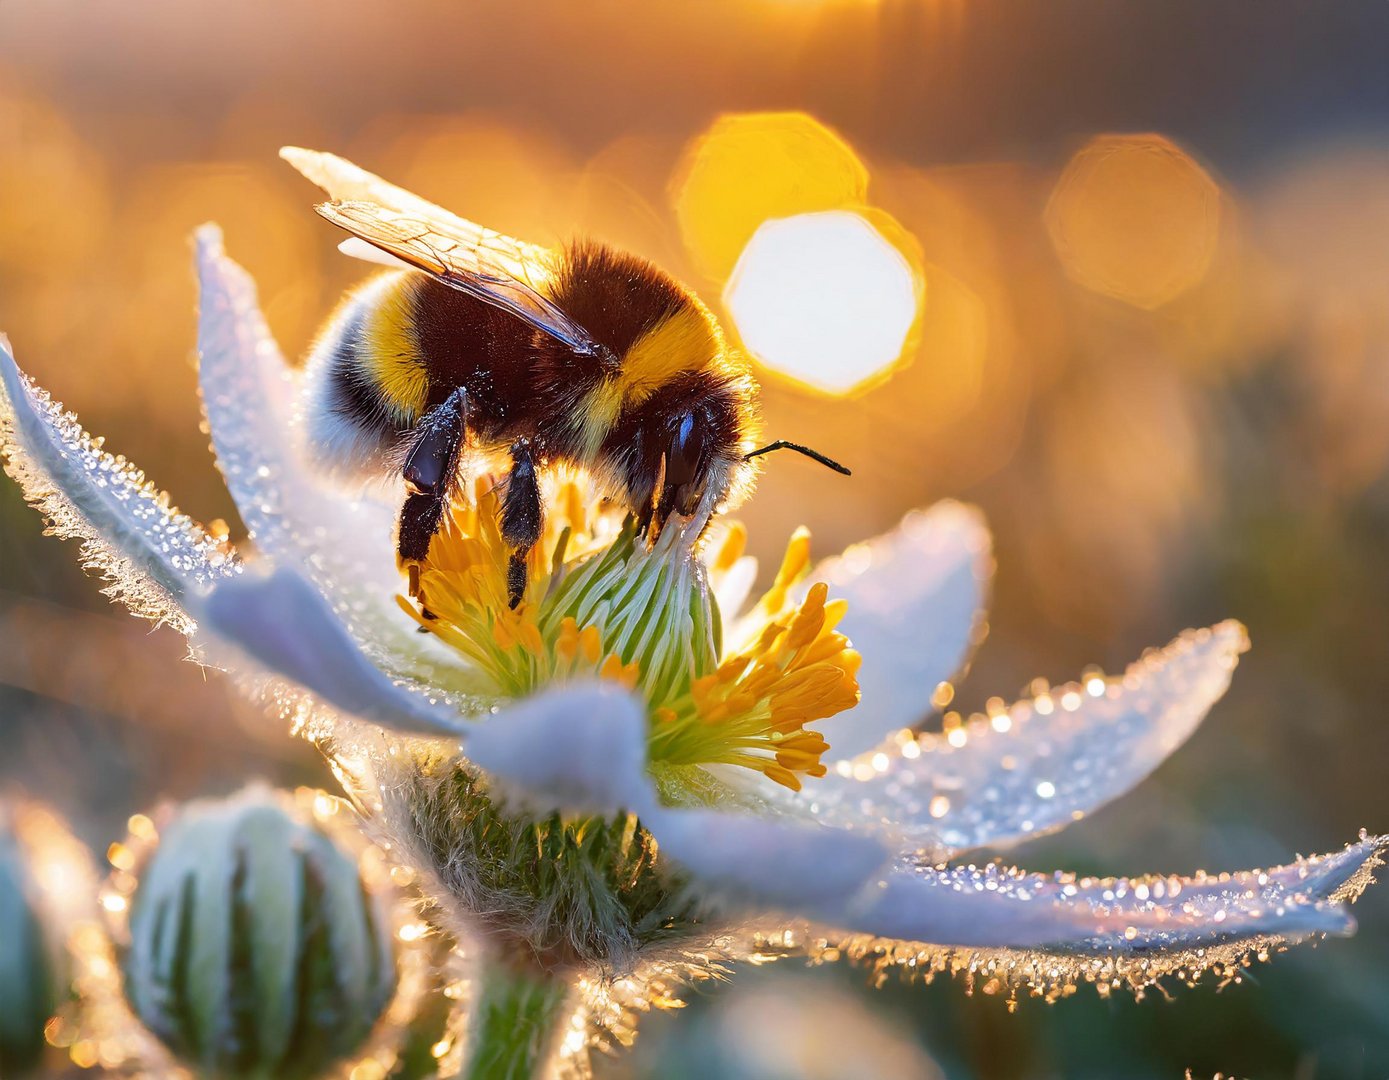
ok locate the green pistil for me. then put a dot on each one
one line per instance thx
(652, 607)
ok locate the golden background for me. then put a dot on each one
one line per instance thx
(1151, 247)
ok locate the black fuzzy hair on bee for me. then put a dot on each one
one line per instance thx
(616, 296)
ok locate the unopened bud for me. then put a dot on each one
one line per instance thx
(41, 866)
(255, 946)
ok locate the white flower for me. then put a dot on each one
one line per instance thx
(615, 699)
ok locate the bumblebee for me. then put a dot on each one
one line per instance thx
(479, 347)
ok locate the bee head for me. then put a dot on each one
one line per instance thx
(680, 450)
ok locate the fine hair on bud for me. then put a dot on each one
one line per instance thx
(30, 966)
(583, 893)
(255, 947)
(47, 889)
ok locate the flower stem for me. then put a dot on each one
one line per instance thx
(519, 1017)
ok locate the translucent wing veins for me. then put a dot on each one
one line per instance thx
(498, 269)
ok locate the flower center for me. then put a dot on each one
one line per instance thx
(603, 602)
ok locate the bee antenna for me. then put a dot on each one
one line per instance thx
(782, 444)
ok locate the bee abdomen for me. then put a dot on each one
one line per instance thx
(364, 380)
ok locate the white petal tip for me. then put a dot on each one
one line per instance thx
(578, 749)
(952, 516)
(1222, 644)
(916, 599)
(207, 241)
(1230, 637)
(1344, 876)
(285, 627)
(149, 553)
(1047, 760)
(1237, 631)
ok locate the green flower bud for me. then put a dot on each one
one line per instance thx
(256, 949)
(35, 972)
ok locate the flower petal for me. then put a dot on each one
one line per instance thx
(578, 749)
(778, 862)
(916, 598)
(583, 750)
(249, 393)
(152, 556)
(286, 628)
(342, 543)
(1044, 762)
(1047, 933)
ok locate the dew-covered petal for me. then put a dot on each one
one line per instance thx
(1044, 762)
(341, 542)
(250, 394)
(575, 749)
(1047, 933)
(583, 750)
(916, 611)
(994, 906)
(283, 625)
(777, 862)
(152, 556)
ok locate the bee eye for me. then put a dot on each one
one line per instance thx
(685, 457)
(682, 457)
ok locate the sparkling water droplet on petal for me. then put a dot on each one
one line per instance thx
(1049, 765)
(152, 556)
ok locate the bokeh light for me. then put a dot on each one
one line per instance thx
(1134, 217)
(44, 165)
(509, 178)
(825, 299)
(791, 1027)
(750, 167)
(1160, 365)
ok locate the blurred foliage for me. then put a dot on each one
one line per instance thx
(1159, 362)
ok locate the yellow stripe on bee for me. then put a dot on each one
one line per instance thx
(684, 341)
(598, 414)
(687, 340)
(390, 350)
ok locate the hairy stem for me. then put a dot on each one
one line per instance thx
(520, 1016)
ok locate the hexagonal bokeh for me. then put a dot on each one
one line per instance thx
(1135, 217)
(825, 299)
(749, 167)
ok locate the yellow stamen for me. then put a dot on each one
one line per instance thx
(626, 674)
(735, 542)
(591, 643)
(799, 669)
(568, 645)
(602, 604)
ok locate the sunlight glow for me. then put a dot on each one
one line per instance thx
(749, 167)
(824, 299)
(1135, 217)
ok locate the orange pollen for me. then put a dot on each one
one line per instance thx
(598, 606)
(797, 670)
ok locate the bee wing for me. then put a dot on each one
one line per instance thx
(508, 273)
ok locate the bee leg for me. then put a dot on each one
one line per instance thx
(431, 473)
(520, 517)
